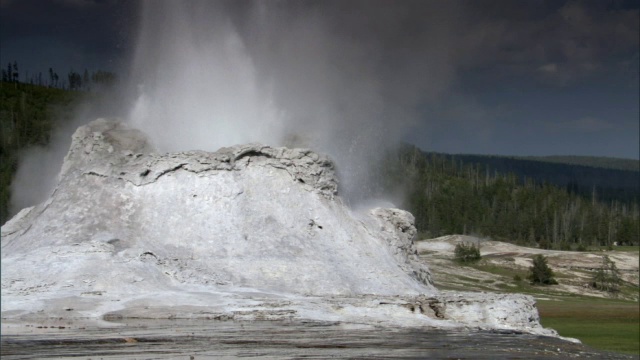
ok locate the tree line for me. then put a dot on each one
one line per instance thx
(75, 81)
(28, 114)
(448, 196)
(586, 176)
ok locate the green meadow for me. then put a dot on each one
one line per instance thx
(605, 324)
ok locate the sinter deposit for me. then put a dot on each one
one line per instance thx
(248, 232)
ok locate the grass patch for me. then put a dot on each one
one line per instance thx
(629, 248)
(493, 269)
(600, 323)
(628, 290)
(507, 272)
(427, 252)
(468, 279)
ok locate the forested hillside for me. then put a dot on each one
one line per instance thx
(31, 106)
(587, 176)
(454, 195)
(591, 161)
(28, 113)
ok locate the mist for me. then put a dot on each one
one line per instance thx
(39, 166)
(325, 75)
(345, 78)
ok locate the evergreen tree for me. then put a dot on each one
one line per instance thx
(85, 79)
(607, 277)
(16, 74)
(540, 272)
(51, 77)
(467, 252)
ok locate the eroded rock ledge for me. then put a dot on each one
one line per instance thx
(108, 148)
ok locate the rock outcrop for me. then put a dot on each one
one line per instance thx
(247, 232)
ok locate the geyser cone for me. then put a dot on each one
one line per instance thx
(249, 216)
(247, 232)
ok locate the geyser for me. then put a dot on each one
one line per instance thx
(198, 87)
(246, 232)
(343, 78)
(211, 74)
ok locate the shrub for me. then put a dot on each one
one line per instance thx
(467, 252)
(544, 244)
(607, 277)
(517, 278)
(540, 273)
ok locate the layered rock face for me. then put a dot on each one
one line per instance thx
(248, 231)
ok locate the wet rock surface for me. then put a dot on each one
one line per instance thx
(177, 339)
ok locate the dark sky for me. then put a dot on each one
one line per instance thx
(495, 77)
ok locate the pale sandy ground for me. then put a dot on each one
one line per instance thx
(574, 269)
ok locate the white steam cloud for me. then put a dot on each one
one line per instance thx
(344, 78)
(198, 86)
(213, 74)
(39, 166)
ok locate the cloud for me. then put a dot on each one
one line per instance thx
(84, 3)
(585, 124)
(549, 68)
(95, 29)
(6, 3)
(553, 42)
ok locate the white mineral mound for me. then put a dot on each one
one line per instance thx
(247, 232)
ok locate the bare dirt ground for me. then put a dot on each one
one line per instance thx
(501, 262)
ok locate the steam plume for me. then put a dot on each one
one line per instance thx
(345, 78)
(213, 74)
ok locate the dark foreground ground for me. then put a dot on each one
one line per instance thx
(179, 339)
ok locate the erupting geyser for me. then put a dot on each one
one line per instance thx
(212, 74)
(251, 231)
(339, 77)
(247, 232)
